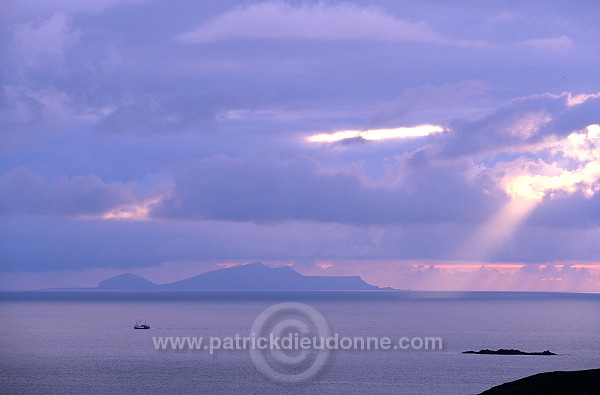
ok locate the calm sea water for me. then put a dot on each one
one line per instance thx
(83, 342)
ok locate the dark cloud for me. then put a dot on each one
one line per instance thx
(433, 104)
(522, 122)
(268, 189)
(41, 244)
(33, 244)
(24, 192)
(519, 125)
(550, 244)
(575, 211)
(578, 116)
(178, 111)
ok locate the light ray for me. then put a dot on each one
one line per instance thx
(497, 232)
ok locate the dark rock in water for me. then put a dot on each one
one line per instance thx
(581, 382)
(503, 351)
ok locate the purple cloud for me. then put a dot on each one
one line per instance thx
(267, 189)
(24, 192)
(184, 138)
(321, 21)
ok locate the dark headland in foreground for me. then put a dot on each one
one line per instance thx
(503, 351)
(251, 277)
(581, 382)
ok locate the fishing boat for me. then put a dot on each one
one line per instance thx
(139, 325)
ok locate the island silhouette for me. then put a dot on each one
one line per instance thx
(249, 277)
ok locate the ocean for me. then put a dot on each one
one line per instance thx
(84, 341)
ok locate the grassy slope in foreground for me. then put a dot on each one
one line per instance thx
(575, 383)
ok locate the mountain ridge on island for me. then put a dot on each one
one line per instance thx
(249, 277)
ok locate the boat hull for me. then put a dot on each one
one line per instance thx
(140, 326)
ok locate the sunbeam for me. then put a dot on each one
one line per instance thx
(497, 232)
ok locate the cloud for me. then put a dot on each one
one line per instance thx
(43, 44)
(106, 119)
(575, 211)
(180, 111)
(377, 134)
(52, 244)
(39, 59)
(434, 103)
(319, 21)
(38, 244)
(525, 125)
(24, 192)
(521, 152)
(267, 189)
(34, 9)
(277, 20)
(530, 277)
(552, 43)
(512, 127)
(27, 107)
(536, 178)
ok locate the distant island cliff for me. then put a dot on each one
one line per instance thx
(250, 277)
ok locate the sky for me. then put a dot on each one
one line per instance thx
(419, 144)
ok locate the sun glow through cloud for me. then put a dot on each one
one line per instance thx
(581, 147)
(377, 134)
(574, 100)
(132, 212)
(529, 182)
